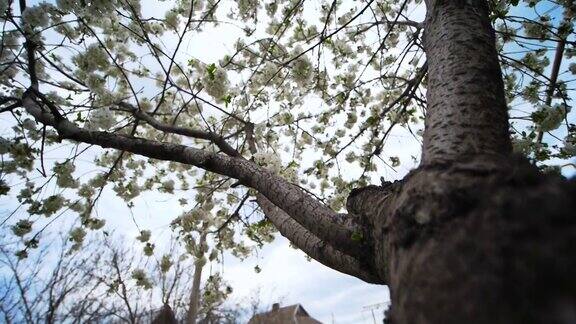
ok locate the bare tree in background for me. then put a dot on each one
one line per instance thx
(103, 283)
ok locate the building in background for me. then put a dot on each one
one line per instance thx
(293, 314)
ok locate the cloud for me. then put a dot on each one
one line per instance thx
(287, 277)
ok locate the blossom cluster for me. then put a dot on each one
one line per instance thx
(3, 6)
(141, 279)
(77, 236)
(37, 16)
(268, 160)
(248, 8)
(100, 118)
(215, 82)
(63, 172)
(22, 227)
(144, 236)
(549, 118)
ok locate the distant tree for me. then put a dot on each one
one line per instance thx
(295, 120)
(103, 283)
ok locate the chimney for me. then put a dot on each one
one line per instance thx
(275, 307)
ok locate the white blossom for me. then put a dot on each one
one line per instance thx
(29, 124)
(63, 172)
(572, 68)
(4, 145)
(66, 5)
(551, 117)
(22, 227)
(215, 82)
(144, 236)
(90, 8)
(342, 47)
(77, 236)
(268, 160)
(190, 220)
(302, 70)
(149, 249)
(52, 204)
(570, 145)
(171, 18)
(247, 8)
(351, 119)
(168, 186)
(213, 255)
(165, 263)
(92, 59)
(96, 224)
(201, 261)
(101, 118)
(522, 145)
(290, 174)
(3, 6)
(190, 245)
(36, 16)
(141, 279)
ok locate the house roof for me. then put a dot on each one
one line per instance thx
(295, 314)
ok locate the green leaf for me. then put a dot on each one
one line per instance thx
(211, 70)
(227, 99)
(357, 237)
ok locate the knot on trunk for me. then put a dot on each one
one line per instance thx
(435, 195)
(369, 201)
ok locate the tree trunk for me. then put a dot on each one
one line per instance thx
(475, 234)
(463, 243)
(194, 300)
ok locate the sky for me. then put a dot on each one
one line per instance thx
(288, 278)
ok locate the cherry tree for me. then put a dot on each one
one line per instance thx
(294, 121)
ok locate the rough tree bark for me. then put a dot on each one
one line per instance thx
(473, 235)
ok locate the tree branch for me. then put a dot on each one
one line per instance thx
(30, 47)
(195, 133)
(390, 24)
(371, 201)
(337, 229)
(553, 79)
(3, 100)
(314, 247)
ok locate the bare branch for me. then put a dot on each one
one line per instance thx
(411, 23)
(30, 47)
(553, 79)
(3, 100)
(190, 132)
